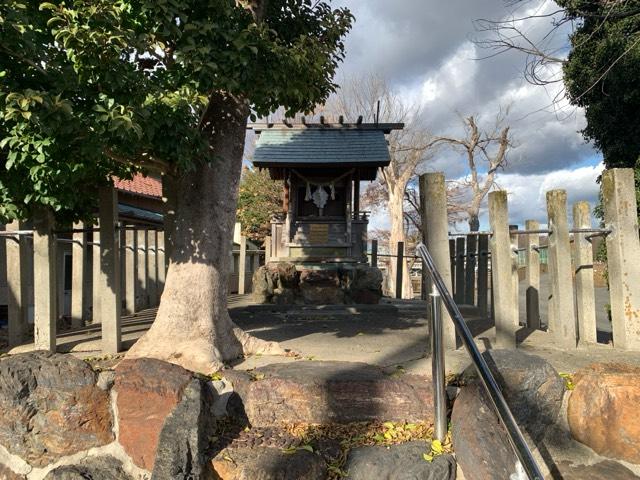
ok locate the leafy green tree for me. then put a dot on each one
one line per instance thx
(258, 200)
(601, 75)
(95, 88)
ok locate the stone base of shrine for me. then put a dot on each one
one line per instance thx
(283, 283)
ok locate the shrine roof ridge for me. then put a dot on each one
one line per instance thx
(384, 127)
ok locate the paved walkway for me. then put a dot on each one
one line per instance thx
(392, 334)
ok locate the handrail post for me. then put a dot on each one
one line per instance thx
(437, 366)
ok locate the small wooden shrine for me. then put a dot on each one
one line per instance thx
(322, 166)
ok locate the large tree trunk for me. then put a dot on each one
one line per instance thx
(193, 328)
(396, 213)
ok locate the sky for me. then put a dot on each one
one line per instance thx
(425, 50)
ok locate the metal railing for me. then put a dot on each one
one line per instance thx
(441, 293)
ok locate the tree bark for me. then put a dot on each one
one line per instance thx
(396, 215)
(193, 327)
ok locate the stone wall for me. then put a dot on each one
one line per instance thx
(283, 283)
(60, 419)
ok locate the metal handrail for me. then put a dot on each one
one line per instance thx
(500, 405)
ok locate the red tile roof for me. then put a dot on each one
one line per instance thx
(140, 185)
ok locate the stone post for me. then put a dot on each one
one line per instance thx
(152, 268)
(585, 293)
(374, 253)
(78, 271)
(18, 300)
(563, 323)
(142, 297)
(514, 274)
(483, 274)
(131, 270)
(532, 279)
(110, 303)
(501, 270)
(623, 255)
(95, 267)
(267, 249)
(242, 265)
(435, 232)
(44, 281)
(162, 263)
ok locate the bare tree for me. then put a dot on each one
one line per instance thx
(408, 149)
(486, 153)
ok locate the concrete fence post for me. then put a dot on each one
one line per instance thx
(242, 265)
(45, 281)
(267, 249)
(374, 253)
(532, 277)
(435, 232)
(152, 259)
(563, 323)
(95, 275)
(78, 272)
(18, 301)
(162, 263)
(459, 295)
(483, 274)
(142, 294)
(501, 270)
(623, 255)
(399, 268)
(110, 303)
(131, 271)
(513, 238)
(470, 270)
(585, 293)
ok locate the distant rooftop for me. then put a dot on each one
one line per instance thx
(140, 185)
(316, 145)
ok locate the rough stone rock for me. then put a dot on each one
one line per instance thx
(268, 464)
(91, 468)
(287, 275)
(533, 390)
(181, 453)
(319, 278)
(7, 474)
(398, 462)
(148, 390)
(325, 392)
(603, 410)
(284, 296)
(605, 470)
(322, 295)
(50, 407)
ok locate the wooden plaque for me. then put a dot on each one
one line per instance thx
(318, 233)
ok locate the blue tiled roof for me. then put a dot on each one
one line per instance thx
(317, 146)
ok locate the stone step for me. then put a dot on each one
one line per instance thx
(329, 392)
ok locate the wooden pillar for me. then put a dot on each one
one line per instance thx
(142, 295)
(460, 265)
(95, 276)
(399, 268)
(162, 263)
(583, 266)
(513, 238)
(79, 269)
(435, 232)
(532, 278)
(501, 270)
(131, 270)
(470, 270)
(623, 254)
(356, 193)
(152, 268)
(17, 290)
(350, 217)
(110, 303)
(242, 265)
(563, 326)
(44, 281)
(483, 274)
(374, 253)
